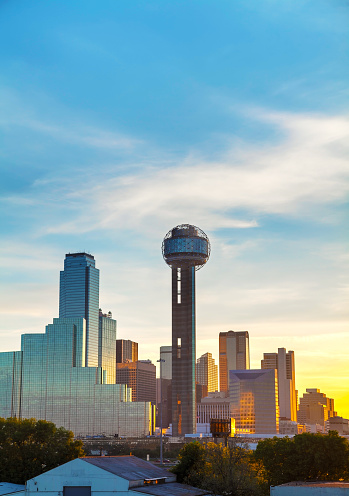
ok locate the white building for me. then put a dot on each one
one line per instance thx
(107, 476)
(311, 489)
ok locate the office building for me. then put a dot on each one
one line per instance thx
(106, 346)
(166, 364)
(126, 351)
(49, 378)
(185, 249)
(140, 376)
(284, 364)
(315, 408)
(254, 398)
(339, 424)
(234, 354)
(165, 390)
(207, 372)
(216, 405)
(79, 297)
(10, 383)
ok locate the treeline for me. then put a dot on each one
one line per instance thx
(237, 471)
(139, 449)
(30, 447)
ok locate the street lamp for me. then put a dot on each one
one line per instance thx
(161, 360)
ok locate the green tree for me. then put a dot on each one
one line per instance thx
(306, 456)
(191, 464)
(29, 447)
(227, 471)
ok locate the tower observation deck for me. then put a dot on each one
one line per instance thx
(185, 249)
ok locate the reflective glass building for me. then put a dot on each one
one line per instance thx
(254, 401)
(79, 297)
(50, 378)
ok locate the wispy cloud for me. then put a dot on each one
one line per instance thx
(306, 169)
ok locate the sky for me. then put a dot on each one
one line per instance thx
(120, 120)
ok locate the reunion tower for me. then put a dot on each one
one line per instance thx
(185, 249)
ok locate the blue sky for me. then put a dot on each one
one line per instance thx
(120, 120)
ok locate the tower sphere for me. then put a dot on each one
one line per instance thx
(186, 246)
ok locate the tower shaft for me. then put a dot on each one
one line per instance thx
(183, 350)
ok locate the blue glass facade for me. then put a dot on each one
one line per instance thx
(79, 297)
(50, 378)
(193, 245)
(10, 383)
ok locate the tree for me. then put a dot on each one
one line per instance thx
(306, 456)
(191, 463)
(30, 447)
(227, 471)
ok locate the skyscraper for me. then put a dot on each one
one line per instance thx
(49, 378)
(234, 354)
(79, 297)
(254, 401)
(315, 408)
(207, 372)
(106, 346)
(284, 363)
(166, 365)
(185, 249)
(140, 376)
(126, 351)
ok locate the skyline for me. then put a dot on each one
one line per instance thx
(121, 121)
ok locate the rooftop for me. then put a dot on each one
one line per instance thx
(130, 467)
(318, 484)
(172, 488)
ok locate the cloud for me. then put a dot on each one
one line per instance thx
(306, 169)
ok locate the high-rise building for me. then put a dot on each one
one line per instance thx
(164, 390)
(234, 354)
(207, 372)
(126, 351)
(216, 405)
(50, 379)
(10, 383)
(284, 364)
(185, 249)
(106, 346)
(79, 297)
(166, 364)
(254, 398)
(140, 376)
(315, 408)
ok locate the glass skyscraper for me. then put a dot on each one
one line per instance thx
(79, 297)
(52, 378)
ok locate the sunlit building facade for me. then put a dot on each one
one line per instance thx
(284, 364)
(254, 401)
(315, 408)
(234, 354)
(207, 372)
(126, 351)
(140, 376)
